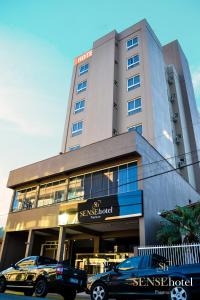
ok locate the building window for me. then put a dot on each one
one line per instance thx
(77, 128)
(24, 199)
(52, 192)
(134, 106)
(76, 188)
(133, 82)
(79, 106)
(133, 61)
(83, 69)
(132, 43)
(111, 181)
(137, 128)
(74, 148)
(82, 86)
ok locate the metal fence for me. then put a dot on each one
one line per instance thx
(175, 254)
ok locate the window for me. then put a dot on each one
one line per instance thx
(132, 177)
(75, 189)
(24, 199)
(79, 106)
(112, 181)
(133, 82)
(29, 261)
(132, 43)
(87, 186)
(134, 106)
(46, 261)
(137, 128)
(122, 180)
(100, 184)
(130, 263)
(133, 61)
(127, 178)
(74, 148)
(82, 86)
(84, 69)
(77, 128)
(52, 192)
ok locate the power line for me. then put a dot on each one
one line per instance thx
(141, 179)
(148, 177)
(182, 127)
(134, 181)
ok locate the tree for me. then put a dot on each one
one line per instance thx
(180, 225)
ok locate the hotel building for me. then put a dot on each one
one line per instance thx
(129, 152)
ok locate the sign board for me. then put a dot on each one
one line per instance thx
(83, 57)
(111, 207)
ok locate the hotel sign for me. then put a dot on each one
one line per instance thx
(97, 210)
(111, 207)
(83, 57)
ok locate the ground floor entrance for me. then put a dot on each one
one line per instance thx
(92, 247)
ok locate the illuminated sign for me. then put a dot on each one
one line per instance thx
(83, 57)
(119, 206)
(97, 210)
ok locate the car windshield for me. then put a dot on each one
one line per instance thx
(29, 261)
(46, 261)
(130, 263)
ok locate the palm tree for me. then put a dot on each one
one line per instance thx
(181, 225)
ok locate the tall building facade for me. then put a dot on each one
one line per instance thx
(130, 121)
(128, 81)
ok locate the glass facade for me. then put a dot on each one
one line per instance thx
(112, 181)
(52, 192)
(24, 199)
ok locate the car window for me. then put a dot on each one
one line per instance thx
(29, 261)
(159, 263)
(46, 261)
(130, 263)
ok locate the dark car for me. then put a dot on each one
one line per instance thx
(41, 275)
(146, 277)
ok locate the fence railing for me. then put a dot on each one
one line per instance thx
(175, 254)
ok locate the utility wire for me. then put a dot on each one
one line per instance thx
(144, 178)
(131, 182)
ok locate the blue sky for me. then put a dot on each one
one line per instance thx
(38, 42)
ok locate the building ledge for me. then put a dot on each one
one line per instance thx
(102, 151)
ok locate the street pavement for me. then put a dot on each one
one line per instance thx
(19, 296)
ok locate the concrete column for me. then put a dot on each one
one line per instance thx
(37, 195)
(135, 250)
(29, 243)
(66, 190)
(3, 250)
(96, 244)
(61, 243)
(12, 201)
(142, 231)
